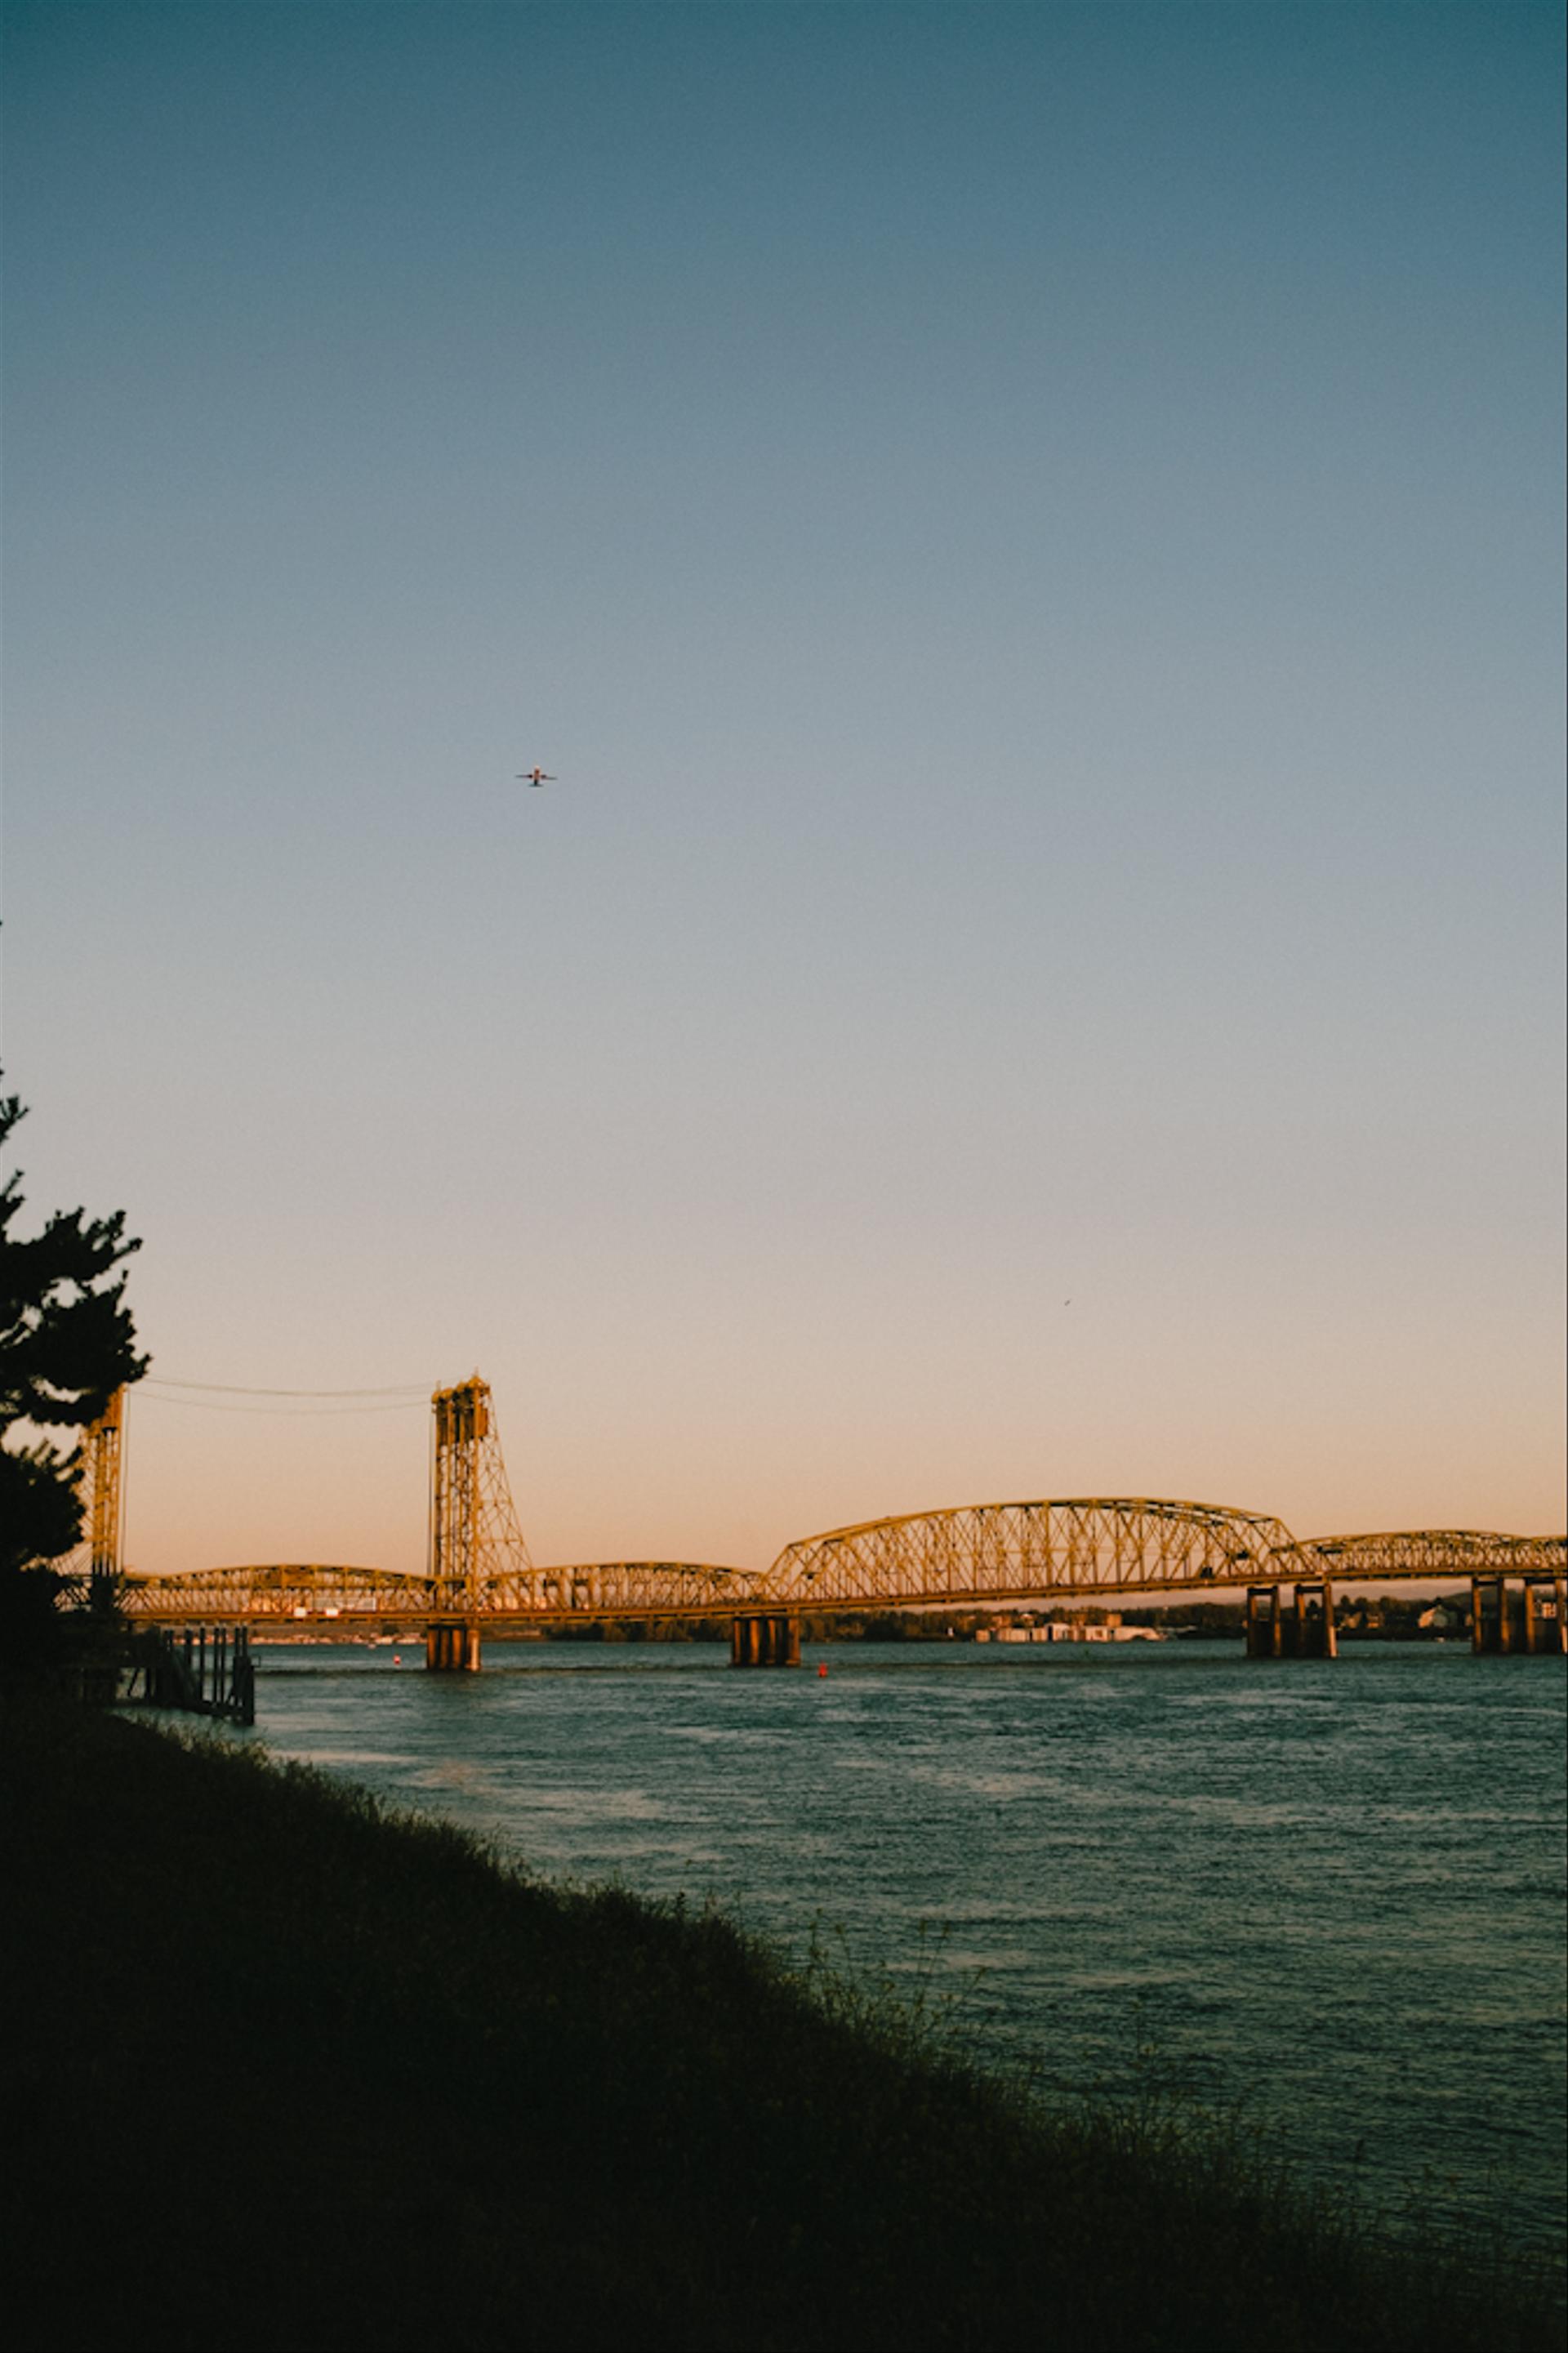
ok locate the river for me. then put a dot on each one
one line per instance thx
(1330, 1893)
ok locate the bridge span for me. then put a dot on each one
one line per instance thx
(1092, 1548)
(312, 1597)
(979, 1557)
(988, 1554)
(1083, 1550)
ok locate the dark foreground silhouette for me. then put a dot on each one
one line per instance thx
(280, 2072)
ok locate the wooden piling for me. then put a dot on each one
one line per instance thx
(244, 1707)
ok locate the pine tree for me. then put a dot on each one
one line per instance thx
(67, 1344)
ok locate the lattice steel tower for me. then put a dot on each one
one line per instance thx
(100, 1486)
(475, 1536)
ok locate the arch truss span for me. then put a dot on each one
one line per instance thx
(619, 1589)
(981, 1552)
(1433, 1554)
(278, 1593)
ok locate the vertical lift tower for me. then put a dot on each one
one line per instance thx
(475, 1536)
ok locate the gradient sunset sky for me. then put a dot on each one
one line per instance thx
(1032, 540)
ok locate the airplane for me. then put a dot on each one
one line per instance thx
(536, 777)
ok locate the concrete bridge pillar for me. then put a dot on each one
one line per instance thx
(764, 1638)
(1304, 1630)
(1489, 1627)
(1309, 1632)
(452, 1646)
(1545, 1626)
(1265, 1622)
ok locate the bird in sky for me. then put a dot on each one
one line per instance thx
(535, 777)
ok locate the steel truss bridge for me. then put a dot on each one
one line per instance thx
(308, 1597)
(481, 1578)
(983, 1554)
(980, 1556)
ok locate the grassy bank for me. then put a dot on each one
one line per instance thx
(281, 2071)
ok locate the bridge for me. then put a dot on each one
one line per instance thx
(298, 1597)
(1089, 1548)
(481, 1577)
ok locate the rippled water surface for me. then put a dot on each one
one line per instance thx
(1333, 1890)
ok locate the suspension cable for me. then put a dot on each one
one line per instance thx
(245, 1389)
(321, 1412)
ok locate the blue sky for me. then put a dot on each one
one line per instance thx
(1032, 539)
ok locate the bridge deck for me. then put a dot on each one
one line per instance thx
(978, 1557)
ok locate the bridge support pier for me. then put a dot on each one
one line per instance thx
(1531, 1620)
(1265, 1622)
(1491, 1629)
(1545, 1621)
(452, 1647)
(1304, 1631)
(764, 1638)
(1310, 1634)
